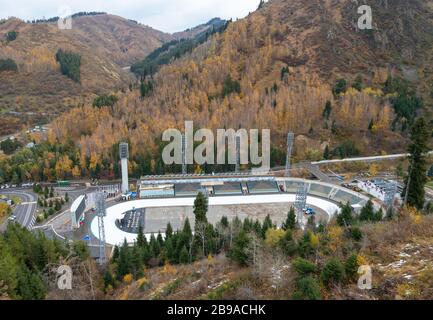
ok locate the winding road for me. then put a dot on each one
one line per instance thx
(25, 211)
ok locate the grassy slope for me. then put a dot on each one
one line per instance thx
(399, 253)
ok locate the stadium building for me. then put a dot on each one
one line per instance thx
(189, 186)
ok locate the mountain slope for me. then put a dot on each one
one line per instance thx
(107, 44)
(290, 66)
(277, 69)
(192, 32)
(175, 49)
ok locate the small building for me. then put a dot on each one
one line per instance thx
(77, 212)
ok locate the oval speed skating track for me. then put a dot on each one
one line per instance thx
(115, 236)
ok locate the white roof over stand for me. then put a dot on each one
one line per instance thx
(76, 203)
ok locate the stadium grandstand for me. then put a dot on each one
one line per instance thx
(214, 185)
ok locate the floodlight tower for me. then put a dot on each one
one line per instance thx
(301, 203)
(101, 212)
(124, 155)
(238, 154)
(290, 142)
(184, 164)
(390, 191)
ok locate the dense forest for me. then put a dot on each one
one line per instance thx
(75, 15)
(247, 76)
(27, 101)
(70, 64)
(11, 35)
(174, 50)
(8, 65)
(27, 259)
(324, 259)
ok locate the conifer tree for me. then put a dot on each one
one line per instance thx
(367, 212)
(124, 262)
(287, 244)
(290, 223)
(136, 262)
(169, 251)
(141, 239)
(169, 231)
(414, 192)
(200, 208)
(267, 224)
(326, 153)
(184, 256)
(345, 218)
(238, 252)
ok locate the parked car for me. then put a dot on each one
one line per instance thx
(309, 212)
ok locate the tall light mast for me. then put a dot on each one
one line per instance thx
(101, 211)
(290, 141)
(124, 155)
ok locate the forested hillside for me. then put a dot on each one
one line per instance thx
(29, 262)
(290, 66)
(33, 88)
(260, 260)
(175, 49)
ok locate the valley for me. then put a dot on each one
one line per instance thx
(101, 139)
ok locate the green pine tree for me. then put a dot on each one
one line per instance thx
(287, 244)
(305, 247)
(124, 263)
(238, 252)
(184, 256)
(414, 192)
(290, 223)
(332, 273)
(30, 285)
(367, 212)
(267, 224)
(351, 266)
(136, 262)
(169, 231)
(327, 111)
(326, 153)
(307, 288)
(141, 239)
(155, 248)
(200, 208)
(169, 251)
(57, 206)
(378, 216)
(345, 218)
(115, 254)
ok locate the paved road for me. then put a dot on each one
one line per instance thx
(25, 212)
(367, 159)
(61, 223)
(428, 194)
(315, 170)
